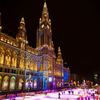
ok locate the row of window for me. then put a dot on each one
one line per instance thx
(7, 41)
(13, 71)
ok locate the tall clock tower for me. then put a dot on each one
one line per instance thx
(45, 47)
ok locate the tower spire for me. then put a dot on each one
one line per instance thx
(22, 25)
(22, 31)
(22, 20)
(0, 23)
(45, 9)
(45, 14)
(59, 58)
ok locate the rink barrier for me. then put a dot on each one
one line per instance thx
(97, 98)
(18, 95)
(2, 97)
(84, 98)
(88, 98)
(81, 98)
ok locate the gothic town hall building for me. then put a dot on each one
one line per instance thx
(23, 67)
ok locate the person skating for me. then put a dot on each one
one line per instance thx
(59, 95)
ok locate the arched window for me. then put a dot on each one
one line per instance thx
(1, 56)
(20, 84)
(27, 64)
(22, 61)
(14, 59)
(31, 65)
(42, 38)
(45, 66)
(28, 84)
(22, 45)
(12, 83)
(35, 84)
(8, 58)
(0, 81)
(5, 83)
(34, 66)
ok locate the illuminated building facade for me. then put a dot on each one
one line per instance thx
(23, 67)
(66, 76)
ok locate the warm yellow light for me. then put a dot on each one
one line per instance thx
(1, 56)
(42, 25)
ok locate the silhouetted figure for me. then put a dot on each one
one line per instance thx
(93, 95)
(88, 98)
(69, 92)
(6, 94)
(59, 95)
(72, 92)
(45, 93)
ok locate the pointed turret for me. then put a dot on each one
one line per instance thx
(22, 31)
(21, 35)
(0, 23)
(22, 25)
(59, 58)
(45, 14)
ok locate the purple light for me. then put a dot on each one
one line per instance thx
(29, 84)
(26, 84)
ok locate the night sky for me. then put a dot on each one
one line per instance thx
(75, 27)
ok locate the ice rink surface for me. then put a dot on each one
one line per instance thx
(77, 94)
